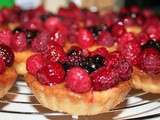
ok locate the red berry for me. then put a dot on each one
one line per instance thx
(2, 66)
(105, 38)
(52, 24)
(103, 79)
(130, 50)
(51, 74)
(122, 66)
(5, 37)
(7, 55)
(59, 37)
(78, 80)
(150, 61)
(126, 38)
(19, 42)
(54, 52)
(85, 38)
(142, 38)
(118, 29)
(34, 63)
(39, 43)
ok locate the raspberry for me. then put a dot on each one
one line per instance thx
(85, 38)
(103, 79)
(142, 38)
(100, 51)
(126, 37)
(34, 63)
(7, 55)
(150, 61)
(39, 43)
(5, 37)
(105, 38)
(19, 42)
(52, 24)
(54, 52)
(122, 66)
(51, 74)
(59, 37)
(118, 29)
(2, 66)
(33, 24)
(131, 51)
(78, 80)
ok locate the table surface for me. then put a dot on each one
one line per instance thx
(20, 104)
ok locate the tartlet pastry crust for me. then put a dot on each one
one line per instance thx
(146, 82)
(62, 99)
(20, 61)
(7, 80)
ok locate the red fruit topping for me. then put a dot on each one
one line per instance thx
(143, 38)
(59, 37)
(150, 61)
(118, 29)
(105, 38)
(85, 38)
(51, 74)
(19, 42)
(126, 38)
(131, 51)
(103, 79)
(78, 80)
(52, 24)
(34, 63)
(2, 66)
(100, 51)
(39, 43)
(54, 52)
(121, 65)
(5, 37)
(7, 55)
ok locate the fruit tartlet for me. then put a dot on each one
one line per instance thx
(78, 82)
(134, 18)
(8, 74)
(143, 52)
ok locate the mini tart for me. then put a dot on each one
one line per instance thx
(60, 98)
(141, 80)
(7, 80)
(20, 61)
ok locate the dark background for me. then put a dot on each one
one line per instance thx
(152, 4)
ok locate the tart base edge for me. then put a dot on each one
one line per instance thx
(60, 98)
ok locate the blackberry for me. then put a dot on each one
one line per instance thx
(30, 34)
(7, 55)
(97, 29)
(44, 16)
(75, 51)
(93, 63)
(152, 44)
(73, 61)
(17, 30)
